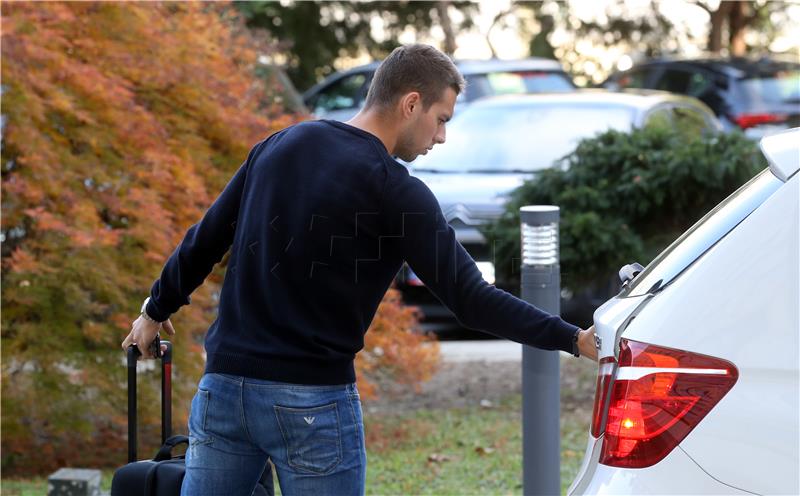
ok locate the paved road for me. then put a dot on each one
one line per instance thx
(499, 350)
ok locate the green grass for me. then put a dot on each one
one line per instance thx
(461, 451)
(37, 486)
(457, 451)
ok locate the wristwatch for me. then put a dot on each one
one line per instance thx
(576, 352)
(144, 311)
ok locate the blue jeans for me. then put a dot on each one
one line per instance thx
(314, 436)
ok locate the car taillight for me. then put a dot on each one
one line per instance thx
(746, 121)
(658, 396)
(604, 379)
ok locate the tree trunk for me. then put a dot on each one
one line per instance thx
(718, 18)
(447, 27)
(738, 19)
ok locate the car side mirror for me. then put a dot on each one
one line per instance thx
(628, 272)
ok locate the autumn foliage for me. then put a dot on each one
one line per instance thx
(122, 122)
(394, 349)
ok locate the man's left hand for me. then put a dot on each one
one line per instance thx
(586, 344)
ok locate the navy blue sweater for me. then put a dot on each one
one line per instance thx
(319, 220)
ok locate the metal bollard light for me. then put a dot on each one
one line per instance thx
(541, 409)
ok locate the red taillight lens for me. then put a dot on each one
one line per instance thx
(604, 378)
(658, 396)
(746, 121)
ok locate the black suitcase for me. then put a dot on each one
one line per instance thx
(163, 475)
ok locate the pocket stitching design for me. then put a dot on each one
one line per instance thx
(206, 400)
(207, 439)
(338, 459)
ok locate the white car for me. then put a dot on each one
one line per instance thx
(497, 143)
(699, 386)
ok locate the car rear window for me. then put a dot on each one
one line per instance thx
(703, 235)
(528, 82)
(779, 88)
(516, 82)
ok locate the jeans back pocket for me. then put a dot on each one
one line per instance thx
(198, 429)
(312, 437)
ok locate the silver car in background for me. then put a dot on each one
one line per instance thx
(341, 95)
(497, 143)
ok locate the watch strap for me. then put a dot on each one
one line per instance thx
(576, 352)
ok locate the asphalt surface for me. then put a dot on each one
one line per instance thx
(500, 350)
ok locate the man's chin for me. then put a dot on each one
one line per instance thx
(407, 158)
(416, 155)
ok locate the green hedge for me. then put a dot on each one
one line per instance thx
(625, 196)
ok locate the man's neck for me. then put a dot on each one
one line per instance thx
(377, 124)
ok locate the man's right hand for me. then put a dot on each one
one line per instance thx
(143, 332)
(586, 344)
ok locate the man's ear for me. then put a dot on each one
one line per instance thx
(410, 103)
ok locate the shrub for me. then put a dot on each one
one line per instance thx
(395, 349)
(625, 196)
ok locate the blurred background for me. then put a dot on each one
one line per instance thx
(591, 39)
(121, 122)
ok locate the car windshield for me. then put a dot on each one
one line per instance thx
(703, 235)
(519, 136)
(514, 83)
(780, 88)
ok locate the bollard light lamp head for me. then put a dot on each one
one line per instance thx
(539, 231)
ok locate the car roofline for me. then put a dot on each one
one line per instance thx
(371, 67)
(466, 67)
(469, 67)
(634, 98)
(736, 67)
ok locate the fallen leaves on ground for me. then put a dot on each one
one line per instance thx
(438, 458)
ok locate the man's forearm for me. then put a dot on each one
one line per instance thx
(203, 246)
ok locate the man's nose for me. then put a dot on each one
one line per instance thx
(440, 136)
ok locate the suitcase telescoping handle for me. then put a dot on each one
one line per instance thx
(166, 396)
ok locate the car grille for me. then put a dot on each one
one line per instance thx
(471, 216)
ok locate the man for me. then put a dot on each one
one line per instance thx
(319, 220)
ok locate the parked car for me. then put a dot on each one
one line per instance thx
(499, 142)
(698, 390)
(341, 95)
(757, 96)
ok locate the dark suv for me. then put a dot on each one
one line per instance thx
(757, 96)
